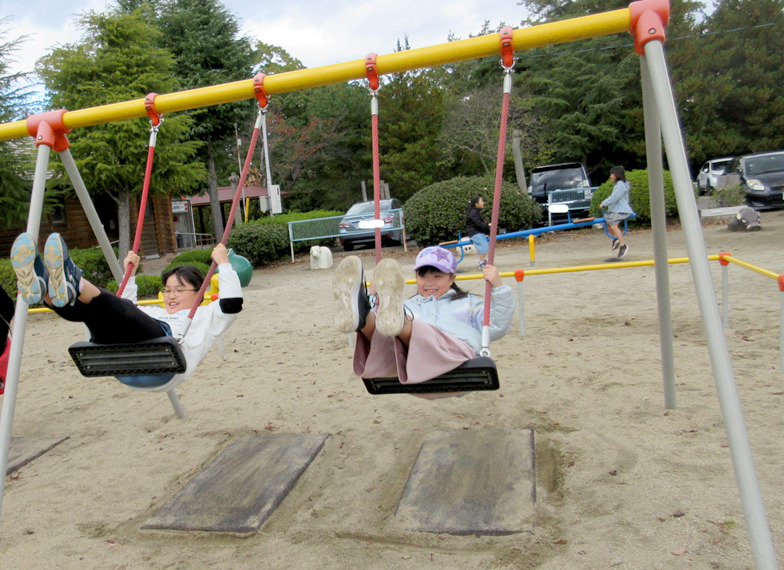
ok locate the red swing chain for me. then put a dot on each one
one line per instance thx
(155, 120)
(263, 100)
(507, 62)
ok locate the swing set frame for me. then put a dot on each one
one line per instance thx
(646, 20)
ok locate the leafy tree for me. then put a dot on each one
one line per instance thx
(115, 61)
(204, 39)
(728, 80)
(14, 155)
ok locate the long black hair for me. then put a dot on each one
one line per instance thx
(619, 172)
(427, 269)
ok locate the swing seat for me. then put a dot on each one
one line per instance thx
(145, 364)
(476, 374)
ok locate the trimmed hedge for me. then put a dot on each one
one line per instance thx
(639, 196)
(148, 285)
(437, 212)
(198, 255)
(260, 243)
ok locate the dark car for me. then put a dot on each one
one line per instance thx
(761, 177)
(354, 228)
(568, 180)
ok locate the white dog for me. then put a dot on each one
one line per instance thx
(320, 257)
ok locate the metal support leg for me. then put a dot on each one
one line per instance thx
(92, 215)
(20, 321)
(740, 450)
(659, 222)
(175, 402)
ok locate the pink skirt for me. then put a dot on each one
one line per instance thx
(431, 352)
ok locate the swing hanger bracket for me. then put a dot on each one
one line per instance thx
(258, 90)
(371, 71)
(649, 19)
(49, 129)
(149, 106)
(507, 48)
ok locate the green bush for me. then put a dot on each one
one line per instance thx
(148, 285)
(93, 264)
(437, 212)
(260, 243)
(8, 278)
(730, 195)
(187, 257)
(639, 196)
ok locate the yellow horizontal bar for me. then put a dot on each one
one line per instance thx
(613, 22)
(752, 267)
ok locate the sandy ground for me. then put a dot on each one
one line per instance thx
(621, 481)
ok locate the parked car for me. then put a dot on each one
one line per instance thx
(710, 172)
(760, 176)
(351, 234)
(571, 182)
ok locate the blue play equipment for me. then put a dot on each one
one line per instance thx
(570, 225)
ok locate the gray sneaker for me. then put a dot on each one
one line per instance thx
(389, 282)
(64, 276)
(31, 275)
(351, 299)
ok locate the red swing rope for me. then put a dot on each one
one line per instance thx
(371, 71)
(507, 62)
(262, 98)
(155, 120)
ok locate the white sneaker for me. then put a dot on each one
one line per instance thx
(389, 282)
(351, 299)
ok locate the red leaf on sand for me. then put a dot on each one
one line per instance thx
(562, 541)
(680, 552)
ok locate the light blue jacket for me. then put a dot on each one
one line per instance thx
(463, 318)
(618, 201)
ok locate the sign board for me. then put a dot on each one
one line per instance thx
(180, 206)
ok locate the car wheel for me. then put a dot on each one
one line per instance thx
(348, 246)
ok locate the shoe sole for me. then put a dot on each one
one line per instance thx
(345, 285)
(23, 254)
(389, 282)
(53, 260)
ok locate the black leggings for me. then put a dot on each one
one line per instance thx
(112, 319)
(7, 310)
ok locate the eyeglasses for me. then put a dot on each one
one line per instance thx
(174, 292)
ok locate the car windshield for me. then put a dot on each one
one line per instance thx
(368, 207)
(555, 179)
(721, 165)
(764, 164)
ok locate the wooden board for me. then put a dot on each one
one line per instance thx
(239, 489)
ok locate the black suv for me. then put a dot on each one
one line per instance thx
(761, 176)
(568, 180)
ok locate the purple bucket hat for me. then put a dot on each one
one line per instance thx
(438, 257)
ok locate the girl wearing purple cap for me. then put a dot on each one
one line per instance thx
(431, 333)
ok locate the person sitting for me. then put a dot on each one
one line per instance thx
(418, 339)
(476, 228)
(58, 282)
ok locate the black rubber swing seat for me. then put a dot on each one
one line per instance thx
(476, 374)
(155, 356)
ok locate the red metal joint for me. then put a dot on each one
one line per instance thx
(649, 19)
(781, 283)
(723, 262)
(258, 90)
(149, 106)
(507, 47)
(371, 70)
(519, 275)
(49, 128)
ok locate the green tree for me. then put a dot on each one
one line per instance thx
(116, 61)
(208, 50)
(728, 80)
(14, 155)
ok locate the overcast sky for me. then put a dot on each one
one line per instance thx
(317, 32)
